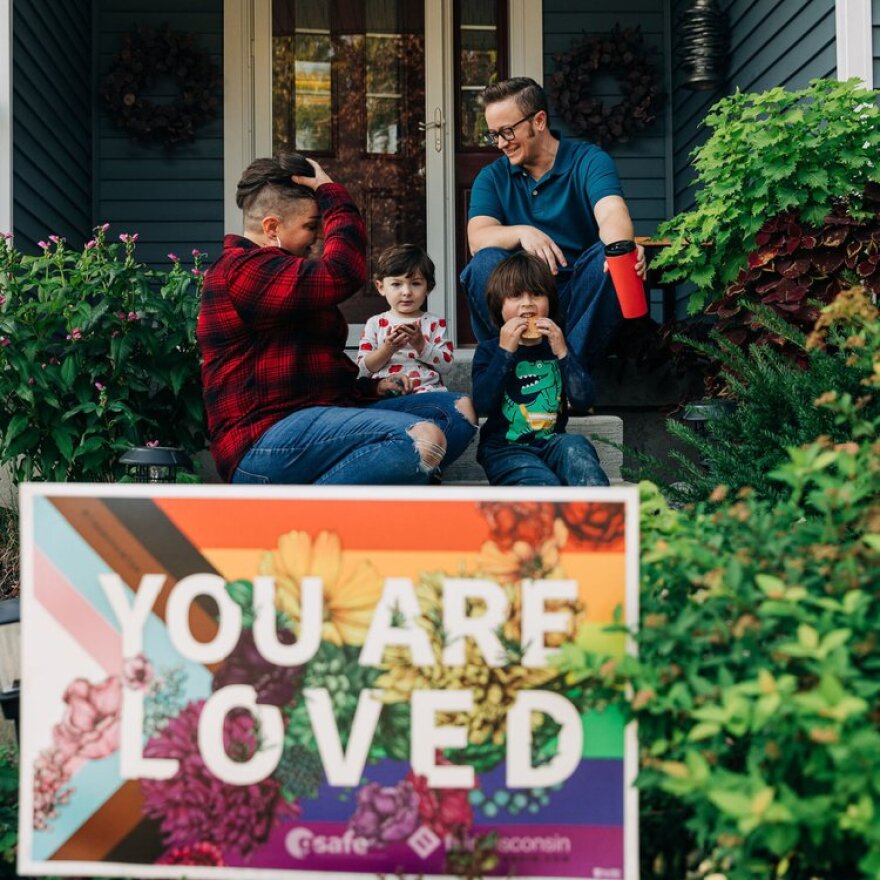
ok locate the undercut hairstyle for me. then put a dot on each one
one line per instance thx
(265, 187)
(403, 261)
(530, 97)
(516, 274)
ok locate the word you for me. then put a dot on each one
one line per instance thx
(395, 623)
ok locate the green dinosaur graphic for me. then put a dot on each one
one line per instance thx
(531, 407)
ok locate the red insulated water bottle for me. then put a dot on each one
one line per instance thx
(630, 288)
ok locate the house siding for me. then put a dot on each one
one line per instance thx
(173, 198)
(641, 161)
(51, 122)
(784, 43)
(875, 38)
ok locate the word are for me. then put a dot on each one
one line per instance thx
(394, 623)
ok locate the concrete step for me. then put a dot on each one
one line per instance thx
(601, 431)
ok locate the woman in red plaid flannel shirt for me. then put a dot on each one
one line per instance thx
(283, 399)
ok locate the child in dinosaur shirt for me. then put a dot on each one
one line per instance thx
(524, 382)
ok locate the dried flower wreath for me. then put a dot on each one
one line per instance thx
(624, 54)
(146, 56)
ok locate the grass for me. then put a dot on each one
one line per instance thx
(9, 571)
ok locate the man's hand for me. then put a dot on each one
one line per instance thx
(394, 386)
(511, 333)
(641, 263)
(554, 336)
(533, 241)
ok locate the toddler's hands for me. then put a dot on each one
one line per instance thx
(511, 333)
(396, 339)
(414, 335)
(554, 336)
(394, 386)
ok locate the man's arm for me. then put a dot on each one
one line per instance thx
(486, 232)
(615, 224)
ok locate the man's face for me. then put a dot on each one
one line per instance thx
(507, 113)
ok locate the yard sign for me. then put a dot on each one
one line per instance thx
(223, 682)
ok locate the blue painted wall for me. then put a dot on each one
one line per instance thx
(172, 198)
(641, 161)
(875, 18)
(51, 122)
(783, 43)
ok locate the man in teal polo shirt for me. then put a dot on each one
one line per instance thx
(557, 198)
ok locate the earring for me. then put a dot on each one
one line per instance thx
(277, 242)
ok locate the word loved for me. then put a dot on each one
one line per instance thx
(395, 623)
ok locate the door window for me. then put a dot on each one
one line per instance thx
(349, 90)
(481, 58)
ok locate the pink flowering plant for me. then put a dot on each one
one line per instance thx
(97, 354)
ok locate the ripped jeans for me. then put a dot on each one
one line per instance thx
(334, 445)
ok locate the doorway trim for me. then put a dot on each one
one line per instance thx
(247, 112)
(855, 55)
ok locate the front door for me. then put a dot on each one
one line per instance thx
(381, 93)
(348, 90)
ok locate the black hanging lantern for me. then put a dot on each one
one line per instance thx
(156, 464)
(703, 45)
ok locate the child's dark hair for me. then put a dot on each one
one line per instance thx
(516, 274)
(265, 186)
(403, 261)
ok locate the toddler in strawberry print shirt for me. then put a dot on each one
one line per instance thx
(406, 340)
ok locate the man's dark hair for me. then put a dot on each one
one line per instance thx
(516, 274)
(403, 261)
(265, 187)
(530, 97)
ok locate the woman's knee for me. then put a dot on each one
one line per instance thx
(466, 407)
(430, 443)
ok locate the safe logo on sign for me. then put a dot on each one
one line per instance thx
(303, 842)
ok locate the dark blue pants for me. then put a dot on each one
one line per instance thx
(589, 311)
(564, 460)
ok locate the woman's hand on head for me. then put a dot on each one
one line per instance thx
(394, 386)
(321, 176)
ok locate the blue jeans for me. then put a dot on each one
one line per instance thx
(336, 445)
(589, 311)
(564, 460)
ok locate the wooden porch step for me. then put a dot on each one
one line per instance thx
(601, 431)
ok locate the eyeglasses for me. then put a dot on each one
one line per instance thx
(507, 133)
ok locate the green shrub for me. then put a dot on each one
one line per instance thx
(757, 683)
(776, 400)
(770, 153)
(97, 354)
(8, 809)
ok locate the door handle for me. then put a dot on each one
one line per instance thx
(437, 125)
